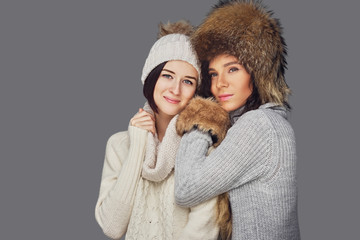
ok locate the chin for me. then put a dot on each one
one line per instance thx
(227, 107)
(231, 107)
(171, 112)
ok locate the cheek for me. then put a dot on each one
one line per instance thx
(159, 86)
(213, 89)
(188, 93)
(248, 88)
(245, 85)
(245, 89)
(156, 92)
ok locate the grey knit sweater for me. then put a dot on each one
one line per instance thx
(255, 163)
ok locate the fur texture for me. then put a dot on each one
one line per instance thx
(246, 30)
(182, 27)
(205, 115)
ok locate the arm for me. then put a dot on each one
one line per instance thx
(202, 222)
(241, 157)
(121, 173)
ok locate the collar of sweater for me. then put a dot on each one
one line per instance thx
(281, 110)
(234, 115)
(160, 157)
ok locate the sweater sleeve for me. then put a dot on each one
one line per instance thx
(201, 222)
(240, 158)
(121, 172)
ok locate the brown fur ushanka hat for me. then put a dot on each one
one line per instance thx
(246, 30)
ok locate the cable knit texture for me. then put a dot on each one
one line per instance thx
(141, 208)
(255, 163)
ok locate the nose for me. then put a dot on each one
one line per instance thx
(221, 81)
(175, 88)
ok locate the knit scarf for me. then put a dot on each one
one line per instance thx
(160, 156)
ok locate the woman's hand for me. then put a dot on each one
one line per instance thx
(205, 115)
(144, 120)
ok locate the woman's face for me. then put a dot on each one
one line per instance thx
(230, 82)
(175, 87)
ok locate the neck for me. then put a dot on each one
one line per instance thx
(235, 114)
(161, 124)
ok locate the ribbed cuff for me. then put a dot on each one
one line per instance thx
(197, 135)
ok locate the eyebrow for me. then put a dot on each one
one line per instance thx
(226, 64)
(231, 63)
(164, 69)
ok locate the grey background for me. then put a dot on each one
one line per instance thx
(70, 77)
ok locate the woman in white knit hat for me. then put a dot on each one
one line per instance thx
(137, 187)
(242, 51)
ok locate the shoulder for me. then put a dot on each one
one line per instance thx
(134, 135)
(118, 141)
(270, 122)
(118, 137)
(254, 120)
(265, 121)
(267, 115)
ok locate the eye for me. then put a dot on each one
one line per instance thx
(166, 76)
(233, 69)
(212, 74)
(188, 82)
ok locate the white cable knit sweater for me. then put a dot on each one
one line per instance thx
(143, 205)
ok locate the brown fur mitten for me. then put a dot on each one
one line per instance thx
(205, 115)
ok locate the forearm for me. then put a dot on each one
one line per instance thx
(118, 186)
(241, 157)
(190, 188)
(203, 121)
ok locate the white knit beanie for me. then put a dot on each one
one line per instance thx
(170, 47)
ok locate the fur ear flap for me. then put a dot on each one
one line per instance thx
(205, 115)
(181, 27)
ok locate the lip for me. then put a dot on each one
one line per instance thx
(171, 100)
(225, 97)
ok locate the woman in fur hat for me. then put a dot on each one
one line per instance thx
(242, 54)
(137, 186)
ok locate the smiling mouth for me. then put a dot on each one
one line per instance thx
(170, 100)
(225, 97)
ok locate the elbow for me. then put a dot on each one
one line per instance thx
(184, 198)
(108, 227)
(185, 193)
(179, 198)
(113, 235)
(112, 232)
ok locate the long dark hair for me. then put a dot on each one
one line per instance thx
(149, 85)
